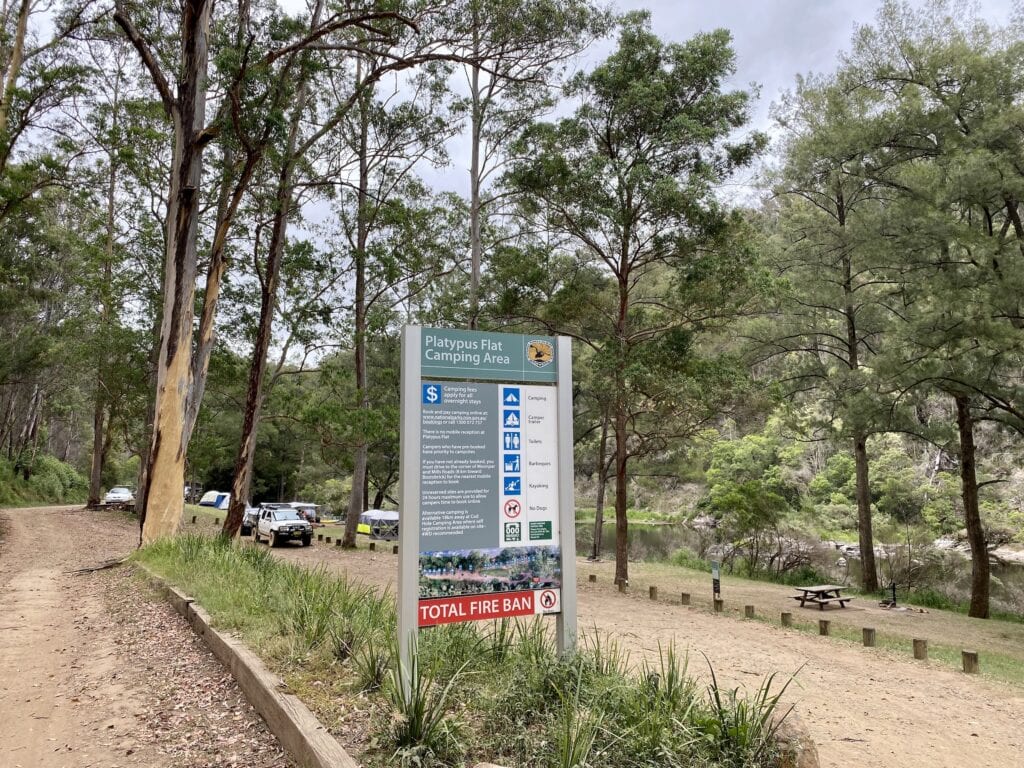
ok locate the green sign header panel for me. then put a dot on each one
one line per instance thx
(455, 354)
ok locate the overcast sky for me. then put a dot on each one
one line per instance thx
(774, 40)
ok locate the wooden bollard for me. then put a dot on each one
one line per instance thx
(319, 537)
(970, 659)
(748, 611)
(787, 619)
(622, 586)
(327, 539)
(592, 578)
(920, 649)
(868, 634)
(394, 549)
(684, 598)
(193, 519)
(337, 542)
(719, 605)
(823, 626)
(653, 592)
(373, 546)
(216, 521)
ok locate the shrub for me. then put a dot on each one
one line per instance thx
(50, 481)
(741, 731)
(684, 558)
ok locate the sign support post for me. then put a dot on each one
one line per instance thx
(565, 626)
(408, 500)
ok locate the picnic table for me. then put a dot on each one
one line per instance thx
(821, 595)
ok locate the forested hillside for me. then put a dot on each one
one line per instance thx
(788, 338)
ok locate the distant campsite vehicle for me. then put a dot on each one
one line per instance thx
(379, 524)
(119, 495)
(215, 499)
(308, 510)
(280, 525)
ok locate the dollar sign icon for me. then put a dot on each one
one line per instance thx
(431, 394)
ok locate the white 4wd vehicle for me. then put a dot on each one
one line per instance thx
(278, 526)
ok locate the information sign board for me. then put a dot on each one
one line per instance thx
(486, 479)
(716, 580)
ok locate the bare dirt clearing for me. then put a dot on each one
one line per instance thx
(94, 674)
(864, 706)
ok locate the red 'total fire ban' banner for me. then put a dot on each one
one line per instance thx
(446, 610)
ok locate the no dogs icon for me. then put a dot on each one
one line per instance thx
(512, 508)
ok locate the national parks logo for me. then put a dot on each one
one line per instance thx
(540, 353)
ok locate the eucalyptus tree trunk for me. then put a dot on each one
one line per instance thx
(621, 420)
(865, 534)
(241, 485)
(101, 405)
(476, 126)
(621, 498)
(29, 434)
(98, 456)
(165, 472)
(147, 441)
(356, 501)
(602, 485)
(11, 72)
(980, 569)
(869, 574)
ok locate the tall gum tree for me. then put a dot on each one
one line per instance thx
(517, 53)
(629, 182)
(256, 83)
(268, 277)
(830, 314)
(945, 137)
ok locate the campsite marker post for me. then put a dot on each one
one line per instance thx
(486, 481)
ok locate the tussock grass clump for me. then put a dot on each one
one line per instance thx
(287, 612)
(476, 692)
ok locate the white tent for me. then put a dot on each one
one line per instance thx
(216, 499)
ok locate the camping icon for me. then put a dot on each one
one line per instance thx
(510, 396)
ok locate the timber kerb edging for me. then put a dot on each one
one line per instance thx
(306, 739)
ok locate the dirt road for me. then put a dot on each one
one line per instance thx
(864, 706)
(92, 673)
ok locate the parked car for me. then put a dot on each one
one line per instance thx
(119, 495)
(252, 515)
(281, 525)
(309, 511)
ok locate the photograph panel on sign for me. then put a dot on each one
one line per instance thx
(452, 573)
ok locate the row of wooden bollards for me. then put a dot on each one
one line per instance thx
(373, 544)
(969, 659)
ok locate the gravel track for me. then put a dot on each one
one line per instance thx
(95, 671)
(867, 707)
